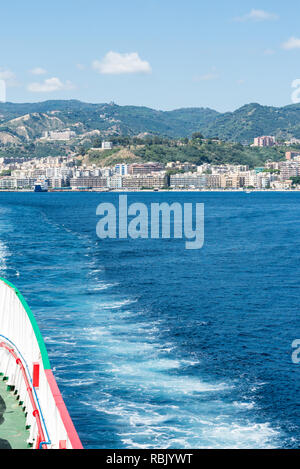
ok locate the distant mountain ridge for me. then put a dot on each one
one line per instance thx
(26, 122)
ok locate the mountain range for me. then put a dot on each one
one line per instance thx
(24, 123)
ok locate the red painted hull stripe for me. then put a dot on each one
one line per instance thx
(64, 414)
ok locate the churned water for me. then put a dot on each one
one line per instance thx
(156, 346)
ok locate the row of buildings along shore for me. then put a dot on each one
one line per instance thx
(63, 173)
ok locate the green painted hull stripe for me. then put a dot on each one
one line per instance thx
(37, 332)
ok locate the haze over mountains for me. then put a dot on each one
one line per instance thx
(23, 123)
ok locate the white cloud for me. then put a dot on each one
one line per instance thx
(8, 76)
(115, 63)
(38, 71)
(80, 67)
(269, 52)
(292, 43)
(49, 85)
(206, 77)
(212, 75)
(258, 15)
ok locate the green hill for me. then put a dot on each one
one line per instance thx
(27, 122)
(195, 150)
(110, 119)
(253, 120)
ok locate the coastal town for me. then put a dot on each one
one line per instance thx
(71, 173)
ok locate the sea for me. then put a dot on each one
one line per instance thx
(157, 346)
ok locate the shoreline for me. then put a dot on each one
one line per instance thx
(149, 190)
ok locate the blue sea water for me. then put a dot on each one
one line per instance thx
(156, 346)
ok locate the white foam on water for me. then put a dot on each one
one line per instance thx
(95, 333)
(116, 304)
(149, 427)
(146, 425)
(77, 382)
(127, 349)
(140, 381)
(4, 254)
(233, 435)
(163, 364)
(102, 286)
(94, 272)
(244, 405)
(132, 444)
(5, 228)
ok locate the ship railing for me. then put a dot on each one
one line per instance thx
(19, 327)
(31, 394)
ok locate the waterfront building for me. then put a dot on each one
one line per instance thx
(250, 179)
(147, 181)
(88, 182)
(188, 180)
(280, 185)
(115, 182)
(26, 183)
(213, 181)
(8, 183)
(231, 181)
(56, 182)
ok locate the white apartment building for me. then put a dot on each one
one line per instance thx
(106, 145)
(26, 183)
(187, 180)
(56, 182)
(289, 169)
(264, 141)
(8, 183)
(106, 172)
(121, 169)
(63, 135)
(114, 182)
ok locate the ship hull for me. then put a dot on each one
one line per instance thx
(25, 367)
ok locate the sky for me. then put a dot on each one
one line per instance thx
(164, 54)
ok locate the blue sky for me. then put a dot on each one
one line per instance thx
(163, 54)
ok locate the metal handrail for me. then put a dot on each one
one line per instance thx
(41, 436)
